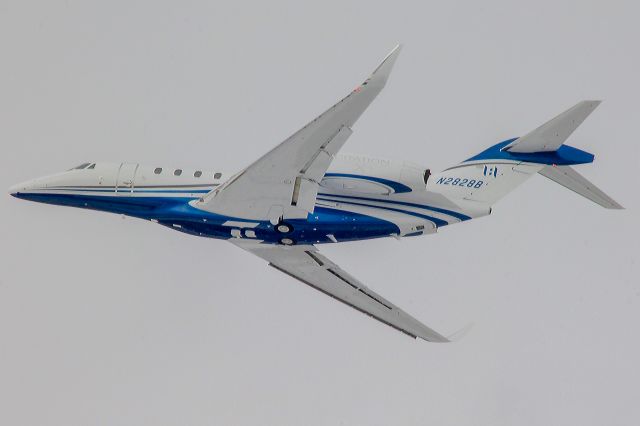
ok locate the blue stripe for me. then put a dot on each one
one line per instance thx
(435, 220)
(176, 191)
(396, 186)
(133, 206)
(402, 203)
(425, 207)
(564, 156)
(129, 191)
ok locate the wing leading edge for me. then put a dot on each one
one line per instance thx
(307, 265)
(283, 183)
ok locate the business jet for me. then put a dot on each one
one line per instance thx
(303, 193)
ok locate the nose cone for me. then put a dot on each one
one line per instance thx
(21, 189)
(14, 190)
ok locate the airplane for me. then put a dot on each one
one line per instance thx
(304, 193)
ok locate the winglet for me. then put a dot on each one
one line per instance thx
(381, 74)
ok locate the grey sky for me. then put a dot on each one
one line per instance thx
(111, 321)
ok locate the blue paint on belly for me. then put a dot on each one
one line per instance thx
(178, 214)
(344, 226)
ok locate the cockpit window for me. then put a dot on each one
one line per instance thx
(81, 166)
(92, 166)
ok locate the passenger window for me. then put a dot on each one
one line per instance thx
(197, 174)
(177, 172)
(217, 175)
(158, 170)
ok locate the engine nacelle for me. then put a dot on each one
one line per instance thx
(366, 175)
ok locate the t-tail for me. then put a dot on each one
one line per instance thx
(492, 174)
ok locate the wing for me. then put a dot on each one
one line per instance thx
(307, 265)
(284, 182)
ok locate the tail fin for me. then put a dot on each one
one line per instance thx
(492, 174)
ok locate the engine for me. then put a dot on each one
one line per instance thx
(366, 175)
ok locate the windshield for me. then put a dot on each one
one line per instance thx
(81, 166)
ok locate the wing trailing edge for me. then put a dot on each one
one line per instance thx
(307, 265)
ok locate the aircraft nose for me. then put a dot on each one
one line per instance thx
(16, 190)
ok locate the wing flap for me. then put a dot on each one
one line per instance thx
(318, 165)
(307, 265)
(306, 198)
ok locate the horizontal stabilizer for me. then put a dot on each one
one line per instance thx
(569, 178)
(552, 134)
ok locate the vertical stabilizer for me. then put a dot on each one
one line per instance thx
(490, 175)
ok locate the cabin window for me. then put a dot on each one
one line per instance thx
(92, 166)
(198, 173)
(158, 170)
(217, 175)
(177, 172)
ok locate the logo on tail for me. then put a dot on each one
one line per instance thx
(490, 171)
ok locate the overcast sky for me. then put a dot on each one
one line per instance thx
(112, 321)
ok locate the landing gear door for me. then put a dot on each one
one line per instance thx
(126, 178)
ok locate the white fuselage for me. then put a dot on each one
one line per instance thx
(359, 198)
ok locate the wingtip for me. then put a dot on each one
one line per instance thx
(614, 205)
(593, 102)
(433, 337)
(457, 335)
(384, 69)
(394, 52)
